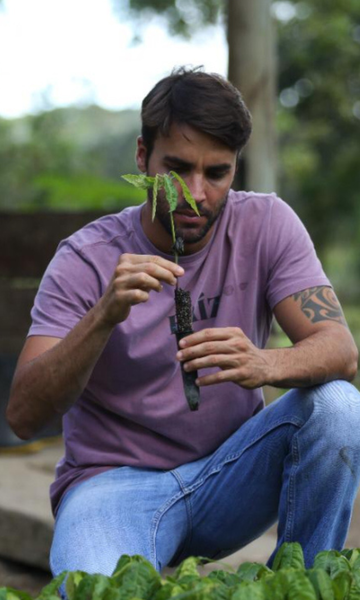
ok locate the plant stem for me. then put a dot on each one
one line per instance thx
(172, 228)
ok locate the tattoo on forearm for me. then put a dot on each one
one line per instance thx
(320, 304)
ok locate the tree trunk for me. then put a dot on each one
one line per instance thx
(252, 69)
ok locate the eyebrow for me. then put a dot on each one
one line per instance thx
(168, 158)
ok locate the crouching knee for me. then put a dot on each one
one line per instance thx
(336, 407)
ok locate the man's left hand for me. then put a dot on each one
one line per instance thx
(229, 349)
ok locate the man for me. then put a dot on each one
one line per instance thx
(141, 473)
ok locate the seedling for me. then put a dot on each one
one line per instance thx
(183, 306)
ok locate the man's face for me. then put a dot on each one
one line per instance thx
(208, 168)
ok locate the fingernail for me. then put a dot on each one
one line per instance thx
(179, 355)
(182, 343)
(179, 270)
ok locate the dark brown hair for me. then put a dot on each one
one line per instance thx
(205, 101)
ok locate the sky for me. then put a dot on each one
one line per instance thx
(61, 52)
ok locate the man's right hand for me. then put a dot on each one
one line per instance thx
(52, 373)
(135, 276)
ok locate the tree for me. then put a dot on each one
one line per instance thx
(319, 117)
(250, 36)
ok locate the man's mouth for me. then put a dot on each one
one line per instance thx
(187, 216)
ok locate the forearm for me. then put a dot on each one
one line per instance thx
(317, 359)
(49, 384)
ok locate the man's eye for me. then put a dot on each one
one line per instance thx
(179, 170)
(217, 174)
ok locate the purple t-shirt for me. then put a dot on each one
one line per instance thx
(133, 411)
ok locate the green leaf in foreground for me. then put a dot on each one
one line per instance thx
(136, 577)
(289, 555)
(140, 181)
(188, 568)
(170, 192)
(158, 182)
(289, 584)
(332, 562)
(251, 571)
(321, 583)
(50, 591)
(8, 593)
(250, 590)
(185, 190)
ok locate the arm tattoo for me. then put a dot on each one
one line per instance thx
(320, 304)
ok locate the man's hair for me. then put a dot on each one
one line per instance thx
(205, 101)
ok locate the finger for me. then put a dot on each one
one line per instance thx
(134, 297)
(163, 263)
(222, 361)
(219, 377)
(206, 349)
(141, 281)
(150, 268)
(212, 334)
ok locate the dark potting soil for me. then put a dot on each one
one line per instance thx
(183, 311)
(184, 327)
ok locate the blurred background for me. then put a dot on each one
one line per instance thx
(72, 77)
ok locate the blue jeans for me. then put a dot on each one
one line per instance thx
(297, 461)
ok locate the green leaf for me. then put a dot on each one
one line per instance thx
(52, 588)
(168, 590)
(72, 582)
(140, 181)
(321, 583)
(250, 590)
(332, 562)
(229, 579)
(300, 588)
(84, 588)
(353, 556)
(188, 568)
(124, 561)
(290, 554)
(158, 182)
(291, 584)
(354, 593)
(171, 192)
(250, 571)
(9, 593)
(136, 578)
(185, 190)
(341, 585)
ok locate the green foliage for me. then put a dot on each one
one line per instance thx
(86, 192)
(183, 17)
(334, 576)
(319, 117)
(289, 556)
(67, 159)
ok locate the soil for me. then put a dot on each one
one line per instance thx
(183, 311)
(22, 577)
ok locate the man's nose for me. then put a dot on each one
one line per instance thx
(196, 184)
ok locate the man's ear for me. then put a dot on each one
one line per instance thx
(141, 155)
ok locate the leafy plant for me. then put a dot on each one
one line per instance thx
(334, 576)
(183, 305)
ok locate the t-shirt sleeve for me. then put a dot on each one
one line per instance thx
(69, 288)
(292, 261)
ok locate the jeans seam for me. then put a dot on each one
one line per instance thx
(187, 498)
(291, 496)
(161, 512)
